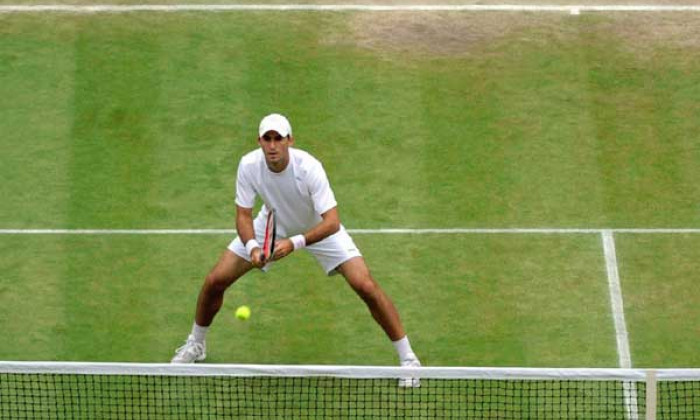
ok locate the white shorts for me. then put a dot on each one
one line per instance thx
(330, 252)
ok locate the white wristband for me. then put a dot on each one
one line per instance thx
(251, 245)
(299, 241)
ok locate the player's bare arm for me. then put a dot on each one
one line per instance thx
(327, 227)
(244, 226)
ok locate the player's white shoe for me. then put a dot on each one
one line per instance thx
(410, 382)
(190, 352)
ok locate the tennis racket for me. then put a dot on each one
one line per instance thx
(268, 248)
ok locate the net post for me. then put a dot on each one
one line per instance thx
(650, 394)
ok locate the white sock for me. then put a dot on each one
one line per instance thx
(199, 332)
(403, 348)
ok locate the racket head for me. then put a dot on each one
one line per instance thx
(268, 248)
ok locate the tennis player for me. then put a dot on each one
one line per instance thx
(295, 184)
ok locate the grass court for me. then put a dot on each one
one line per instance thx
(422, 120)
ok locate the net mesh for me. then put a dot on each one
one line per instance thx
(679, 400)
(93, 395)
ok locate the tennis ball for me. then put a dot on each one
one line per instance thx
(243, 313)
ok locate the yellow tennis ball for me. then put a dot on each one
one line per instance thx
(243, 313)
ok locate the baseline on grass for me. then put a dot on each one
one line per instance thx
(572, 9)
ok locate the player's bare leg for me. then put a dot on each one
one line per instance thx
(384, 312)
(227, 270)
(230, 268)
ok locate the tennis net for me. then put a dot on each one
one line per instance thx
(65, 390)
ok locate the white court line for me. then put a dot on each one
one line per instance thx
(618, 311)
(116, 231)
(623, 347)
(547, 231)
(111, 8)
(381, 231)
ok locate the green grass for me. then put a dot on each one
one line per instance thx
(138, 121)
(100, 299)
(560, 131)
(662, 298)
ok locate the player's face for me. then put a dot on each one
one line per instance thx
(276, 149)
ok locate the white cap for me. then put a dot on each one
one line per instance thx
(275, 122)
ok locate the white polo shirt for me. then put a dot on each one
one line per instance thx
(299, 194)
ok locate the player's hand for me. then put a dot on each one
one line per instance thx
(283, 247)
(257, 258)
